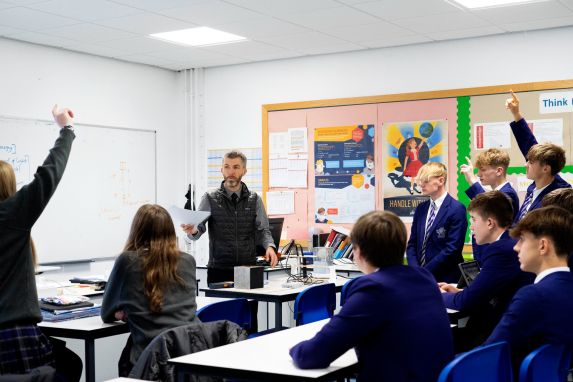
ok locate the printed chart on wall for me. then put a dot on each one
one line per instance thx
(344, 173)
(254, 176)
(407, 146)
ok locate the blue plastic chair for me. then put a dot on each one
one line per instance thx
(547, 363)
(315, 303)
(489, 363)
(344, 290)
(236, 310)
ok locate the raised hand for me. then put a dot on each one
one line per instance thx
(63, 117)
(512, 104)
(468, 171)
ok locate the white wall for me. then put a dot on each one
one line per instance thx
(234, 94)
(102, 92)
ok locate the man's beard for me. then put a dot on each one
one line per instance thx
(232, 182)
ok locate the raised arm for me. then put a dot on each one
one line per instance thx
(523, 135)
(32, 198)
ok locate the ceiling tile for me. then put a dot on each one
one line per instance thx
(368, 32)
(145, 59)
(567, 3)
(31, 19)
(7, 31)
(145, 23)
(140, 45)
(465, 33)
(212, 62)
(89, 33)
(85, 10)
(94, 49)
(181, 54)
(157, 5)
(394, 10)
(251, 50)
(442, 22)
(277, 7)
(396, 41)
(211, 13)
(23, 2)
(305, 41)
(539, 24)
(262, 28)
(43, 39)
(329, 18)
(524, 12)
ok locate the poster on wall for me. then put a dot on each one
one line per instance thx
(407, 146)
(344, 184)
(254, 176)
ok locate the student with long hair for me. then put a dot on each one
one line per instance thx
(23, 347)
(152, 285)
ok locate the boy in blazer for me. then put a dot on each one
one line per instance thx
(487, 297)
(543, 161)
(540, 313)
(492, 167)
(393, 317)
(439, 227)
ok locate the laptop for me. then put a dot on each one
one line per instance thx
(469, 270)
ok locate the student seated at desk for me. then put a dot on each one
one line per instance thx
(540, 313)
(393, 316)
(152, 286)
(23, 347)
(487, 297)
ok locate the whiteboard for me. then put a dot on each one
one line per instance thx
(110, 173)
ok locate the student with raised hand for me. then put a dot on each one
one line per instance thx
(487, 297)
(543, 161)
(492, 167)
(540, 313)
(439, 227)
(23, 347)
(152, 285)
(393, 316)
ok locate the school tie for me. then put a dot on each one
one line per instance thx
(524, 208)
(427, 233)
(234, 198)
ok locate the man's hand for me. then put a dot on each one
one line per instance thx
(271, 256)
(512, 104)
(189, 229)
(63, 117)
(120, 315)
(468, 171)
(448, 288)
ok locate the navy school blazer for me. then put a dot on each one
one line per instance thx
(538, 314)
(397, 323)
(446, 240)
(525, 139)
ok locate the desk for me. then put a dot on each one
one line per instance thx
(91, 328)
(271, 292)
(264, 358)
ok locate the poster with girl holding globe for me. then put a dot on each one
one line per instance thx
(407, 146)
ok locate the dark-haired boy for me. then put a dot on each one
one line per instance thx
(393, 315)
(486, 298)
(544, 161)
(540, 313)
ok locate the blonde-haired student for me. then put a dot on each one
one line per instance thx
(439, 227)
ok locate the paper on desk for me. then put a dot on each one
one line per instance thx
(181, 215)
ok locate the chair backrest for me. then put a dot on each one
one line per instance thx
(344, 291)
(547, 363)
(236, 310)
(315, 303)
(490, 363)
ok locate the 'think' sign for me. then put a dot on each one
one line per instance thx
(556, 102)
